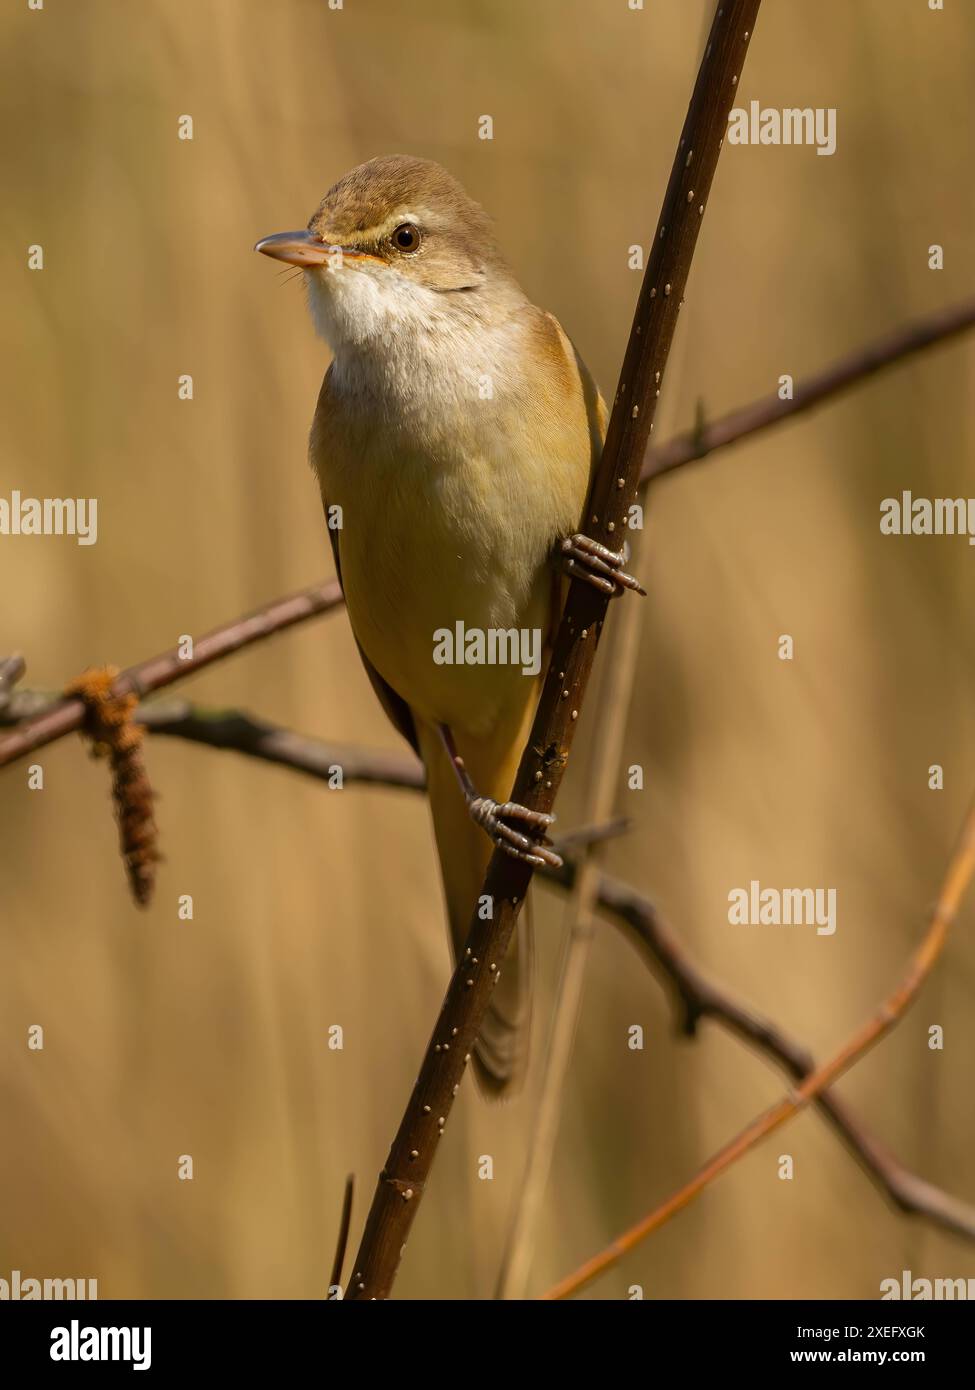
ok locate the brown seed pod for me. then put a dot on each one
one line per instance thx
(114, 735)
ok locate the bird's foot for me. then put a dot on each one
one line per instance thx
(584, 558)
(531, 848)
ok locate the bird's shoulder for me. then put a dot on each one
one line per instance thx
(571, 378)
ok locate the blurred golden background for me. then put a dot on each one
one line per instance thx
(317, 907)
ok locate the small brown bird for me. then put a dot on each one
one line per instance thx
(454, 438)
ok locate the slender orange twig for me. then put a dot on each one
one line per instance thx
(957, 877)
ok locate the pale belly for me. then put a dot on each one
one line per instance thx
(447, 577)
(452, 506)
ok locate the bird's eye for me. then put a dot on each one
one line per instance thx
(406, 237)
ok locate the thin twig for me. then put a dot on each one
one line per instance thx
(402, 1181)
(574, 842)
(68, 715)
(853, 370)
(18, 705)
(341, 1244)
(236, 730)
(12, 669)
(957, 878)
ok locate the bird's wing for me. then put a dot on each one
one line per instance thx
(399, 712)
(596, 413)
(597, 417)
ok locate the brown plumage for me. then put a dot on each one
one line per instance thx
(455, 430)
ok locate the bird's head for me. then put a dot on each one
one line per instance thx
(395, 245)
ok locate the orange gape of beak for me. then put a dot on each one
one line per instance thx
(306, 249)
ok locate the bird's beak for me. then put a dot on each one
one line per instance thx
(296, 248)
(306, 249)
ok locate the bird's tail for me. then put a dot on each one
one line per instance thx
(501, 1050)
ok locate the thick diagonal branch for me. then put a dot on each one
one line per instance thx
(616, 485)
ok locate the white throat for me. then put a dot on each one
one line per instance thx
(409, 350)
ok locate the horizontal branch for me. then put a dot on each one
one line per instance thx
(67, 715)
(861, 364)
(244, 733)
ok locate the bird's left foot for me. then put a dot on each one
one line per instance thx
(531, 843)
(584, 558)
(532, 848)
